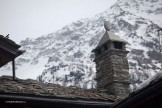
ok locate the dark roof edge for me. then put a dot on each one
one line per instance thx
(20, 52)
(55, 100)
(133, 98)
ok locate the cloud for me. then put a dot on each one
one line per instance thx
(33, 18)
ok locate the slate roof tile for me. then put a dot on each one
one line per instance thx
(7, 85)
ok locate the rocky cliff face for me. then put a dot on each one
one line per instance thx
(65, 56)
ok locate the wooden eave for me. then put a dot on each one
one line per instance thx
(9, 50)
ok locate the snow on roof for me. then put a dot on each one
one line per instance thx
(109, 36)
(150, 80)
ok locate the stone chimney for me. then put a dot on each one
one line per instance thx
(112, 64)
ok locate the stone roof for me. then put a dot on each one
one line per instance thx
(109, 36)
(35, 88)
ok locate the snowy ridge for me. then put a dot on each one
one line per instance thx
(64, 57)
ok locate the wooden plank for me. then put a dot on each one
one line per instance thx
(13, 68)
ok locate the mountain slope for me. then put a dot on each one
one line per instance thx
(65, 56)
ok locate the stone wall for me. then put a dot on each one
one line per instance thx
(113, 72)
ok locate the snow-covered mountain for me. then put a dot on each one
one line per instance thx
(65, 56)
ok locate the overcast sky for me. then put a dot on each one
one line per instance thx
(34, 18)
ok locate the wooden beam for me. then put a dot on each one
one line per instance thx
(13, 68)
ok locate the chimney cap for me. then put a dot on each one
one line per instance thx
(107, 25)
